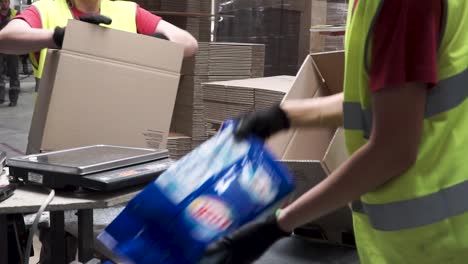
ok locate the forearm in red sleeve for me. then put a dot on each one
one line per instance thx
(146, 21)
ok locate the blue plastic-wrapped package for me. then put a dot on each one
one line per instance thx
(210, 192)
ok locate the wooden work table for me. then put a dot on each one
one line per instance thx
(28, 199)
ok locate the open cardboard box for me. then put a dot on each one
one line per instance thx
(106, 86)
(312, 154)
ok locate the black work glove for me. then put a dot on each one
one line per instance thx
(245, 245)
(59, 32)
(263, 123)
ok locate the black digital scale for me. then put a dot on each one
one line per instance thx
(6, 189)
(99, 167)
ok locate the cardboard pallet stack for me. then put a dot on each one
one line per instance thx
(328, 12)
(278, 24)
(188, 113)
(230, 99)
(175, 5)
(236, 59)
(178, 145)
(199, 26)
(214, 62)
(150, 5)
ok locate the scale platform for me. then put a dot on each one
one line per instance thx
(98, 167)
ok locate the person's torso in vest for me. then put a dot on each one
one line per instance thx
(56, 13)
(422, 215)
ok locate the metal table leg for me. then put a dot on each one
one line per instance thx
(85, 235)
(3, 239)
(57, 237)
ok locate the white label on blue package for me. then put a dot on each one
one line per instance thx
(212, 214)
(193, 170)
(258, 184)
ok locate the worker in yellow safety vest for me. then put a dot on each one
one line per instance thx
(8, 63)
(405, 115)
(43, 25)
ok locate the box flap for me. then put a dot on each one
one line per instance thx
(306, 85)
(309, 143)
(280, 83)
(123, 46)
(41, 109)
(331, 68)
(306, 173)
(336, 153)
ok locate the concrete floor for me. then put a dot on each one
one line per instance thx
(14, 129)
(15, 121)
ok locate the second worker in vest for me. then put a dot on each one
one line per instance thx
(8, 62)
(406, 126)
(43, 26)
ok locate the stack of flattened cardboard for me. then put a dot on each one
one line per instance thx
(236, 59)
(188, 117)
(271, 91)
(189, 113)
(194, 6)
(174, 5)
(133, 92)
(278, 24)
(197, 19)
(223, 101)
(325, 12)
(150, 5)
(178, 145)
(230, 99)
(314, 153)
(200, 27)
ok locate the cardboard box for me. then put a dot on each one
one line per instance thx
(106, 87)
(312, 154)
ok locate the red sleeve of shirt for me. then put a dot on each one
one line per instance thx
(31, 16)
(405, 42)
(146, 22)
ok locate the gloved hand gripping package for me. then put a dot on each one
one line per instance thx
(210, 192)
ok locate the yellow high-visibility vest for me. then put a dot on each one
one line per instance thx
(13, 13)
(422, 215)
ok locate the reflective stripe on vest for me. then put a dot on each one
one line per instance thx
(448, 94)
(425, 210)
